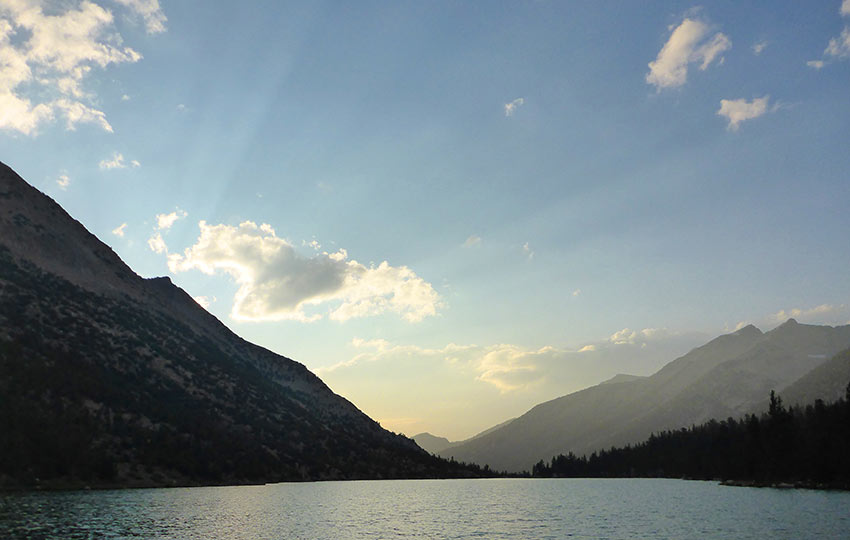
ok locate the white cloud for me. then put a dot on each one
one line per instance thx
(119, 230)
(511, 108)
(150, 11)
(759, 47)
(741, 324)
(834, 314)
(63, 181)
(509, 368)
(473, 240)
(135, 163)
(157, 244)
(822, 312)
(117, 162)
(76, 112)
(204, 301)
(638, 337)
(505, 367)
(839, 47)
(125, 97)
(527, 250)
(577, 292)
(165, 221)
(46, 57)
(276, 283)
(740, 110)
(688, 43)
(463, 388)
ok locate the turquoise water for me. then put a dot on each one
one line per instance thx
(487, 509)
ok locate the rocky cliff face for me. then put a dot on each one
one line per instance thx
(107, 378)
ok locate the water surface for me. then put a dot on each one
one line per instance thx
(527, 509)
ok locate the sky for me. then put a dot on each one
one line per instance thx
(451, 211)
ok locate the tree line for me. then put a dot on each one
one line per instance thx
(797, 445)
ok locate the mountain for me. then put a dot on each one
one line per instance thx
(828, 382)
(438, 445)
(621, 378)
(431, 443)
(109, 379)
(728, 376)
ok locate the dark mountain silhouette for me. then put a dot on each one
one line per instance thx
(729, 376)
(109, 379)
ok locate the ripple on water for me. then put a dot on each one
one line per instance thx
(433, 509)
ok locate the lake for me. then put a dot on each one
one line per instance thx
(435, 509)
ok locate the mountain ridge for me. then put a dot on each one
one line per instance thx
(112, 380)
(728, 376)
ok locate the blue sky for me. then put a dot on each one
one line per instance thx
(451, 211)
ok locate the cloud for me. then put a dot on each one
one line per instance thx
(527, 250)
(688, 43)
(823, 312)
(740, 110)
(511, 108)
(834, 314)
(741, 324)
(165, 221)
(150, 11)
(135, 163)
(76, 112)
(759, 47)
(157, 244)
(577, 292)
(460, 389)
(119, 230)
(473, 240)
(505, 367)
(510, 368)
(204, 301)
(638, 337)
(839, 47)
(276, 283)
(63, 181)
(45, 59)
(117, 162)
(125, 97)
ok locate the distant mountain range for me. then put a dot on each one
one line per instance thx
(109, 379)
(436, 445)
(729, 376)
